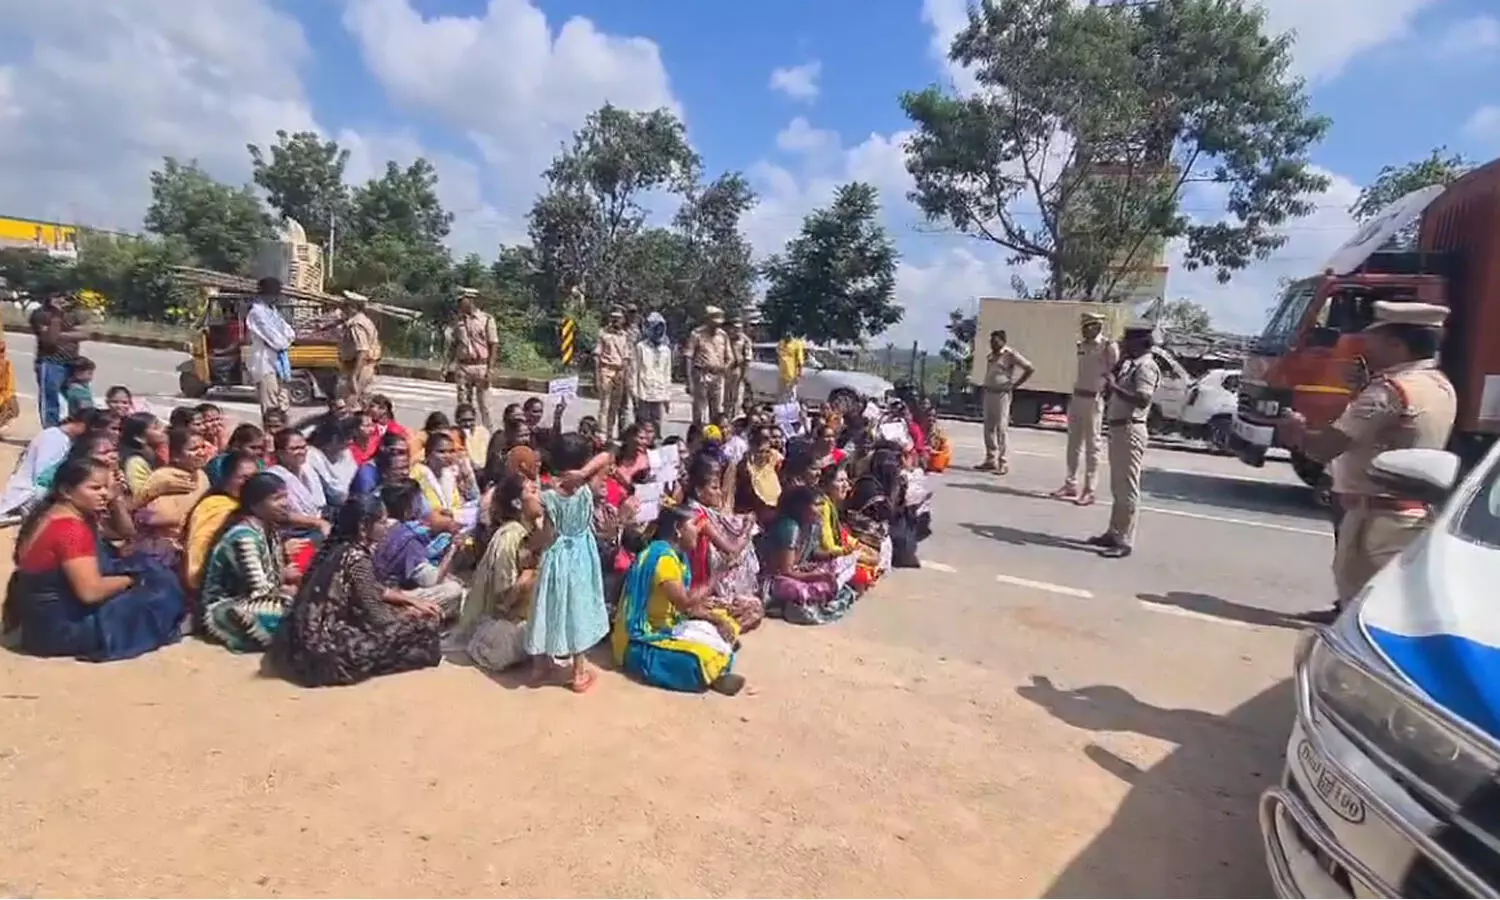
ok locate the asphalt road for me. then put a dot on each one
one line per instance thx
(1172, 662)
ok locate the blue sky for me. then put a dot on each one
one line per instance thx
(94, 95)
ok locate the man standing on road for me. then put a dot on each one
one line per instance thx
(271, 338)
(791, 359)
(633, 335)
(708, 353)
(741, 353)
(1129, 390)
(1409, 403)
(472, 345)
(57, 343)
(359, 350)
(1005, 370)
(612, 371)
(1097, 357)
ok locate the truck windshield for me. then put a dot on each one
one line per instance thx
(1288, 315)
(1480, 522)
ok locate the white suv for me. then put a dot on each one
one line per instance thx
(822, 379)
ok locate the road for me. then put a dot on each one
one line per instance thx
(1135, 707)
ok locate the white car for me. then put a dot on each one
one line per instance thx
(1209, 412)
(1389, 787)
(823, 379)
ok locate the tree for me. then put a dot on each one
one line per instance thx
(222, 226)
(593, 205)
(1184, 316)
(1090, 122)
(396, 230)
(836, 281)
(958, 346)
(1394, 182)
(304, 180)
(718, 263)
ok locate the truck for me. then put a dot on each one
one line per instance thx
(1046, 333)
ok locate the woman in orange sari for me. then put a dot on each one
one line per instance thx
(9, 407)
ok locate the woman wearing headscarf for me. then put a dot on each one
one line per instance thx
(651, 371)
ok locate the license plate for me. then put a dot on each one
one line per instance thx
(1255, 434)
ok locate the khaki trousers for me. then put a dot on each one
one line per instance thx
(1127, 457)
(1367, 539)
(1084, 417)
(708, 397)
(471, 385)
(270, 394)
(610, 384)
(355, 381)
(734, 392)
(996, 425)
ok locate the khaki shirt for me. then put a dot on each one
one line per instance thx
(741, 351)
(1096, 358)
(613, 351)
(1141, 375)
(358, 337)
(1000, 369)
(473, 336)
(1405, 406)
(708, 349)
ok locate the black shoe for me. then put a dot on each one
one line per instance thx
(985, 466)
(1102, 540)
(1115, 551)
(728, 684)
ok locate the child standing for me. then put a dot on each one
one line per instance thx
(568, 615)
(78, 391)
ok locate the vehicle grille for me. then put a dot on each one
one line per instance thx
(1252, 396)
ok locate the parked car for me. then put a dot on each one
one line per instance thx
(823, 379)
(1389, 787)
(1208, 414)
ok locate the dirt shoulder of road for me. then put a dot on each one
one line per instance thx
(849, 767)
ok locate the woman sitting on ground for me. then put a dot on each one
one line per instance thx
(473, 438)
(757, 484)
(141, 440)
(834, 540)
(797, 587)
(404, 557)
(67, 597)
(667, 632)
(207, 519)
(116, 526)
(722, 553)
(247, 439)
(331, 461)
(307, 507)
(345, 626)
(168, 497)
(492, 625)
(391, 462)
(867, 512)
(436, 421)
(631, 458)
(447, 484)
(247, 582)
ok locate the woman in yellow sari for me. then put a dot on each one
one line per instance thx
(834, 540)
(665, 632)
(207, 518)
(9, 407)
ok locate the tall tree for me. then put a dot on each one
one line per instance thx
(303, 177)
(396, 230)
(720, 269)
(836, 281)
(221, 226)
(958, 346)
(596, 188)
(1090, 122)
(1394, 182)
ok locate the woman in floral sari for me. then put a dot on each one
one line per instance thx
(666, 633)
(796, 586)
(722, 553)
(247, 583)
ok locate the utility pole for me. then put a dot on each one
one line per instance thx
(328, 269)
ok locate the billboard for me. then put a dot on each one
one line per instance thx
(51, 236)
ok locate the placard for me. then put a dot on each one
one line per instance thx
(665, 462)
(648, 502)
(844, 568)
(563, 388)
(895, 431)
(789, 417)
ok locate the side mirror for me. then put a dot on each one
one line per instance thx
(1323, 337)
(1416, 474)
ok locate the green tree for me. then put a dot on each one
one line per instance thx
(221, 226)
(1394, 182)
(34, 271)
(958, 346)
(1090, 122)
(303, 177)
(395, 233)
(1184, 316)
(719, 269)
(836, 281)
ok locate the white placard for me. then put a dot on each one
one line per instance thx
(664, 462)
(648, 502)
(789, 417)
(844, 568)
(563, 388)
(895, 431)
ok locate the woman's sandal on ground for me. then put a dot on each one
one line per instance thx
(584, 681)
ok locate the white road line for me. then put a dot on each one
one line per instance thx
(1170, 610)
(937, 566)
(1046, 586)
(1249, 523)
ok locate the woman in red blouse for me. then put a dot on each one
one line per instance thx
(68, 596)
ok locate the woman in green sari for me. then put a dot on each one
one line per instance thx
(247, 585)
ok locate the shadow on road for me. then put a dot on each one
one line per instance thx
(1024, 538)
(1232, 493)
(1188, 826)
(995, 487)
(1219, 608)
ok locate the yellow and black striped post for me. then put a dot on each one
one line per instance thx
(569, 334)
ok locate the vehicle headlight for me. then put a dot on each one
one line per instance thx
(1427, 748)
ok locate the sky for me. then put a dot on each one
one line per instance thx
(800, 96)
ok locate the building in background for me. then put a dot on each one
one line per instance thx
(52, 237)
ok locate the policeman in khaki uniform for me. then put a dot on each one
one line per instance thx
(1097, 357)
(709, 354)
(1128, 390)
(1005, 370)
(1409, 403)
(472, 344)
(359, 350)
(741, 355)
(611, 372)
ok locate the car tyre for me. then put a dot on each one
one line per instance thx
(1220, 433)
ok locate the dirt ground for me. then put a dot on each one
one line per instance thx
(848, 768)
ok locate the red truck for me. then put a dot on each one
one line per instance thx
(1310, 356)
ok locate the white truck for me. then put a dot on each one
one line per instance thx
(1046, 332)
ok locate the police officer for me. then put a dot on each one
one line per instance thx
(709, 355)
(612, 371)
(1005, 371)
(1128, 391)
(359, 350)
(1097, 357)
(741, 354)
(1408, 403)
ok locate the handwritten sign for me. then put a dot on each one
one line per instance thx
(789, 417)
(563, 388)
(665, 463)
(895, 431)
(648, 502)
(844, 568)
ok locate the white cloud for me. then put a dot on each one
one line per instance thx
(799, 136)
(1484, 125)
(1331, 33)
(1467, 37)
(798, 82)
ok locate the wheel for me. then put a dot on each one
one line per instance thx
(300, 390)
(1310, 471)
(1220, 431)
(191, 386)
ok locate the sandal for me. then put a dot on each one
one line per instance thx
(1066, 492)
(1085, 499)
(584, 681)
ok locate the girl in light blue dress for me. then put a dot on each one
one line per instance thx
(568, 616)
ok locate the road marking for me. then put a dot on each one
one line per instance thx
(1170, 610)
(1046, 586)
(1249, 523)
(937, 566)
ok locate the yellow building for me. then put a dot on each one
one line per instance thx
(35, 233)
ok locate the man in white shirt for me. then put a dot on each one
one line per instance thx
(650, 371)
(270, 339)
